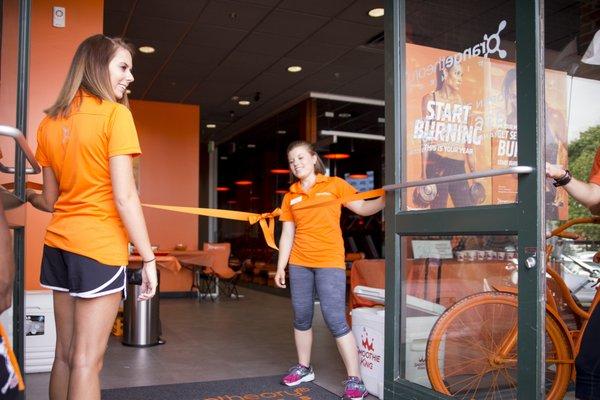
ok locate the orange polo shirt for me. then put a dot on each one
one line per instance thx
(77, 148)
(318, 241)
(595, 173)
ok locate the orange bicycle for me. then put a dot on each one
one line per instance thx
(472, 348)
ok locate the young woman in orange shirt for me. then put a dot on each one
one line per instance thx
(85, 145)
(311, 242)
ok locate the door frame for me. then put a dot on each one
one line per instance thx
(524, 218)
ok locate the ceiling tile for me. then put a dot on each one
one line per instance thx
(114, 22)
(363, 58)
(327, 8)
(232, 14)
(345, 33)
(191, 71)
(179, 10)
(268, 44)
(290, 23)
(214, 36)
(358, 12)
(311, 50)
(339, 73)
(202, 55)
(156, 28)
(118, 5)
(209, 91)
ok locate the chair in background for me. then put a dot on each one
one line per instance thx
(220, 269)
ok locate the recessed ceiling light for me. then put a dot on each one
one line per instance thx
(281, 132)
(344, 115)
(381, 120)
(251, 146)
(128, 91)
(376, 12)
(147, 49)
(294, 68)
(329, 114)
(211, 126)
(244, 102)
(223, 157)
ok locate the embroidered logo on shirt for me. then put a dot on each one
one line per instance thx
(65, 134)
(295, 200)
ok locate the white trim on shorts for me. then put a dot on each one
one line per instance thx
(95, 292)
(60, 289)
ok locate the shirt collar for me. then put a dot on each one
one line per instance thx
(297, 187)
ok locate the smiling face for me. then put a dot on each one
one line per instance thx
(302, 163)
(119, 70)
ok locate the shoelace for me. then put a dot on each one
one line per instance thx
(298, 368)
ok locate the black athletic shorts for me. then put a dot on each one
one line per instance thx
(79, 275)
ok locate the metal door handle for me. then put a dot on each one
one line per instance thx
(20, 140)
(461, 177)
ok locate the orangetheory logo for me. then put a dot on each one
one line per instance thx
(301, 393)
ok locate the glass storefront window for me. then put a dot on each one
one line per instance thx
(456, 316)
(461, 102)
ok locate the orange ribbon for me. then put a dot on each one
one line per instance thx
(265, 220)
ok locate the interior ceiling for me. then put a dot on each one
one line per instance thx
(209, 51)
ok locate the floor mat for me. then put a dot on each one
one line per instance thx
(265, 387)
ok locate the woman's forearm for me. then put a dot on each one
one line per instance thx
(131, 214)
(285, 247)
(39, 201)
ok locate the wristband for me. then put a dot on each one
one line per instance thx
(563, 180)
(149, 261)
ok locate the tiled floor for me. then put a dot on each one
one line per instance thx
(209, 341)
(213, 341)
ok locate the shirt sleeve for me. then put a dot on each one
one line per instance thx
(286, 209)
(344, 188)
(40, 151)
(595, 174)
(122, 135)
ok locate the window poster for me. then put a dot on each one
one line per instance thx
(462, 118)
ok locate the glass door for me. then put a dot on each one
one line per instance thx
(465, 283)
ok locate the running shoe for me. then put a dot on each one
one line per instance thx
(298, 374)
(354, 389)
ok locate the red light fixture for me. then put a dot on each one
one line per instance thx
(337, 156)
(222, 189)
(243, 183)
(280, 171)
(231, 201)
(281, 191)
(358, 176)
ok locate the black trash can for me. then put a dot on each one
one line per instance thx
(141, 319)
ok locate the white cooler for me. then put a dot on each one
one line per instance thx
(40, 331)
(368, 328)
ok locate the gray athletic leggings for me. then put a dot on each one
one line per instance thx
(330, 284)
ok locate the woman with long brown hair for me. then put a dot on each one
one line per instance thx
(85, 145)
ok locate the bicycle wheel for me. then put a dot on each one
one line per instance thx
(463, 351)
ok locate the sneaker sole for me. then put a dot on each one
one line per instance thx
(306, 378)
(355, 398)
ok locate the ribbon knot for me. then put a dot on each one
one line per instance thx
(267, 225)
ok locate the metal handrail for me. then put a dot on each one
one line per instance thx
(461, 177)
(20, 140)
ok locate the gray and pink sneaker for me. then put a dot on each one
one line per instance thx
(354, 389)
(298, 374)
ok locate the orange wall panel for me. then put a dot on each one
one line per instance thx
(169, 172)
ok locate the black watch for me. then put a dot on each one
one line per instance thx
(563, 180)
